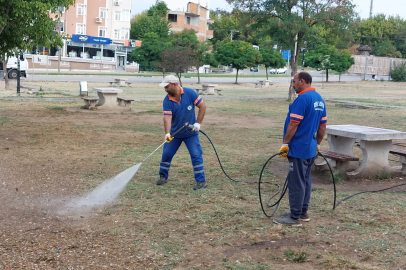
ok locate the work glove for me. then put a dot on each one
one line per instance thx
(284, 150)
(196, 127)
(318, 148)
(168, 137)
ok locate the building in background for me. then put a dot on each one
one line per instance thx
(195, 17)
(99, 32)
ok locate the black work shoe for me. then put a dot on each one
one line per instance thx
(200, 185)
(162, 180)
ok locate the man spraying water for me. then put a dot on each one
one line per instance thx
(179, 108)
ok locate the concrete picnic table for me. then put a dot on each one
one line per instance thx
(208, 89)
(375, 144)
(107, 97)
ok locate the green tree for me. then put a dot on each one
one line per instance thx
(271, 58)
(386, 35)
(342, 62)
(322, 58)
(198, 56)
(398, 73)
(149, 55)
(176, 59)
(327, 57)
(27, 23)
(151, 21)
(290, 22)
(238, 54)
(186, 39)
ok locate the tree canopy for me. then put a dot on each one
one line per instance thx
(27, 23)
(327, 57)
(238, 54)
(151, 21)
(291, 22)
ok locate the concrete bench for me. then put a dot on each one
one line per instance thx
(124, 102)
(402, 156)
(258, 85)
(127, 83)
(340, 162)
(338, 157)
(90, 102)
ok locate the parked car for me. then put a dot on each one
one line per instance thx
(278, 70)
(272, 71)
(254, 69)
(281, 70)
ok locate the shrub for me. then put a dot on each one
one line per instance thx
(398, 73)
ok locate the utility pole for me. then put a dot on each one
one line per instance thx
(18, 73)
(370, 10)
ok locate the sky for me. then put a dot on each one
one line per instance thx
(387, 7)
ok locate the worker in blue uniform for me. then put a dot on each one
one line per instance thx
(304, 130)
(179, 108)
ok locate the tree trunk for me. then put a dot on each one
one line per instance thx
(266, 71)
(294, 59)
(236, 77)
(326, 75)
(339, 77)
(198, 76)
(179, 76)
(6, 81)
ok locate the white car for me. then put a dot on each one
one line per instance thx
(272, 71)
(278, 70)
(281, 70)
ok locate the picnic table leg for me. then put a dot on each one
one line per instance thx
(375, 159)
(342, 145)
(107, 100)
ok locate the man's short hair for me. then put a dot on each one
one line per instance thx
(303, 75)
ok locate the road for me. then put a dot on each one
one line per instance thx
(317, 77)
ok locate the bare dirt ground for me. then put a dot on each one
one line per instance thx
(46, 152)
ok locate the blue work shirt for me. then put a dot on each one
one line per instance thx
(309, 110)
(183, 111)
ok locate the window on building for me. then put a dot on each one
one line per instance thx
(117, 15)
(102, 31)
(125, 15)
(103, 13)
(187, 20)
(60, 27)
(60, 9)
(125, 33)
(172, 17)
(81, 10)
(116, 34)
(81, 29)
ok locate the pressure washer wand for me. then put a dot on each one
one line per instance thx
(173, 135)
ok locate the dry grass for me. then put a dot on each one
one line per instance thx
(54, 150)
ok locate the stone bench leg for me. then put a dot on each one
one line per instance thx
(402, 160)
(90, 104)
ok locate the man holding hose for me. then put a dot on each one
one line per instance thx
(179, 108)
(304, 130)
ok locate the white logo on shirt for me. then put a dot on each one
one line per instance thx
(319, 106)
(189, 107)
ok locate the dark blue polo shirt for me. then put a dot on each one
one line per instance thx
(183, 111)
(309, 110)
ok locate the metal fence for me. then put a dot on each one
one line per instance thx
(370, 65)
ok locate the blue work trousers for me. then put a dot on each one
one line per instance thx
(195, 151)
(300, 185)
